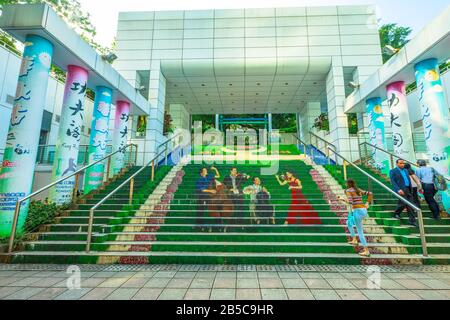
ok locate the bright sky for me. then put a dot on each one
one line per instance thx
(413, 13)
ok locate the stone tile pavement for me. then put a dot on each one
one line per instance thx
(210, 282)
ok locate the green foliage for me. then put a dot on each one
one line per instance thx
(8, 42)
(285, 122)
(208, 121)
(352, 123)
(395, 36)
(75, 17)
(40, 213)
(167, 123)
(322, 123)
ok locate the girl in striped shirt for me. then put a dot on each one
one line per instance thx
(358, 213)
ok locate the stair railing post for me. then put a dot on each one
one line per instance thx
(166, 151)
(367, 154)
(14, 227)
(86, 155)
(392, 161)
(75, 188)
(359, 151)
(423, 239)
(153, 170)
(108, 169)
(89, 231)
(131, 191)
(345, 170)
(328, 156)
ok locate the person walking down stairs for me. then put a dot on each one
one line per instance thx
(358, 214)
(402, 184)
(415, 183)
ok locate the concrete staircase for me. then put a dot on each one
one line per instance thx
(160, 227)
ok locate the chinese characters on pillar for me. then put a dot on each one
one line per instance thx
(120, 135)
(17, 171)
(400, 122)
(69, 136)
(435, 117)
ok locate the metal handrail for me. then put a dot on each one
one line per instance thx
(392, 156)
(76, 174)
(327, 144)
(130, 181)
(304, 144)
(408, 203)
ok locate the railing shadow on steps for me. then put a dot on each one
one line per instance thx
(77, 174)
(419, 212)
(152, 164)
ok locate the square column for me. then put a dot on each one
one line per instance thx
(338, 119)
(157, 93)
(180, 117)
(306, 119)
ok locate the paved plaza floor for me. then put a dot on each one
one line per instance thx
(211, 282)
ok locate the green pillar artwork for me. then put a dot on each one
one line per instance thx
(19, 161)
(435, 116)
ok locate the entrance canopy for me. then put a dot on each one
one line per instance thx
(247, 86)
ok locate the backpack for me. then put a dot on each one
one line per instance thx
(439, 181)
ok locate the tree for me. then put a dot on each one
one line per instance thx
(393, 35)
(71, 12)
(167, 123)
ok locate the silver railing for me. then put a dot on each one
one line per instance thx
(326, 146)
(46, 154)
(304, 144)
(406, 202)
(77, 174)
(392, 156)
(152, 163)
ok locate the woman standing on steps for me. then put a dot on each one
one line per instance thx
(300, 211)
(358, 213)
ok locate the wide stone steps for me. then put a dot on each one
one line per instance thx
(216, 246)
(175, 257)
(146, 233)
